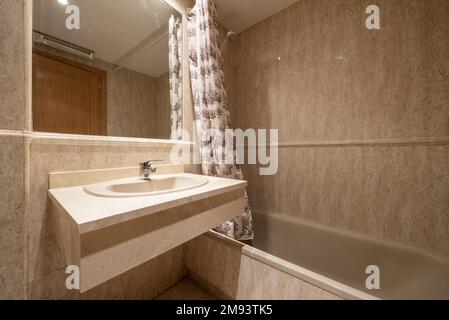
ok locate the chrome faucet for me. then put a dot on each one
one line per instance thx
(146, 169)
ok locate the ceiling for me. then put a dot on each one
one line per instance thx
(113, 29)
(238, 15)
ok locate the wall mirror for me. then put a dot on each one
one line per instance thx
(107, 68)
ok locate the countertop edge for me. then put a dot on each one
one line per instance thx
(89, 226)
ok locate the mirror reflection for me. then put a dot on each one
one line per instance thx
(107, 67)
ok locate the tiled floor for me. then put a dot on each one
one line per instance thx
(186, 290)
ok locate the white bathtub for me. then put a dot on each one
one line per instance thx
(342, 257)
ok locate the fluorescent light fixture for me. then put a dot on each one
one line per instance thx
(47, 40)
(64, 2)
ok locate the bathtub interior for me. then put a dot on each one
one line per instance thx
(343, 256)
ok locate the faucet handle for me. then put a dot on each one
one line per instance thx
(146, 169)
(148, 163)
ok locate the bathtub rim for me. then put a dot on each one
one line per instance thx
(394, 244)
(334, 287)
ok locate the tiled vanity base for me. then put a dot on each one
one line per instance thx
(106, 248)
(106, 253)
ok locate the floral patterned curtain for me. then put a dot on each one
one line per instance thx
(211, 106)
(175, 76)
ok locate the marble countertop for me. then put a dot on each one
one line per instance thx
(91, 212)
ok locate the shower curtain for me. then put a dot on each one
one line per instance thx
(211, 106)
(175, 76)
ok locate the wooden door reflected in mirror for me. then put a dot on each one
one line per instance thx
(68, 97)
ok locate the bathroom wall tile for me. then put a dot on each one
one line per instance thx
(406, 195)
(338, 183)
(301, 122)
(336, 29)
(221, 270)
(142, 283)
(12, 222)
(405, 70)
(405, 19)
(43, 252)
(328, 106)
(296, 175)
(129, 113)
(154, 277)
(318, 183)
(278, 72)
(117, 157)
(254, 190)
(12, 65)
(46, 159)
(302, 176)
(160, 115)
(315, 31)
(337, 100)
(315, 72)
(404, 88)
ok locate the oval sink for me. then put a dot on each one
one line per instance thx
(133, 187)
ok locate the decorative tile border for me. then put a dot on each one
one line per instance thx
(404, 142)
(67, 139)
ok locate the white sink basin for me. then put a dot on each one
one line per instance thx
(134, 187)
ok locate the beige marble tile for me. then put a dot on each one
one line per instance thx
(406, 195)
(404, 89)
(391, 83)
(142, 283)
(12, 222)
(205, 258)
(323, 184)
(305, 62)
(12, 65)
(160, 115)
(116, 157)
(405, 70)
(405, 19)
(315, 72)
(334, 29)
(337, 100)
(46, 159)
(338, 184)
(131, 96)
